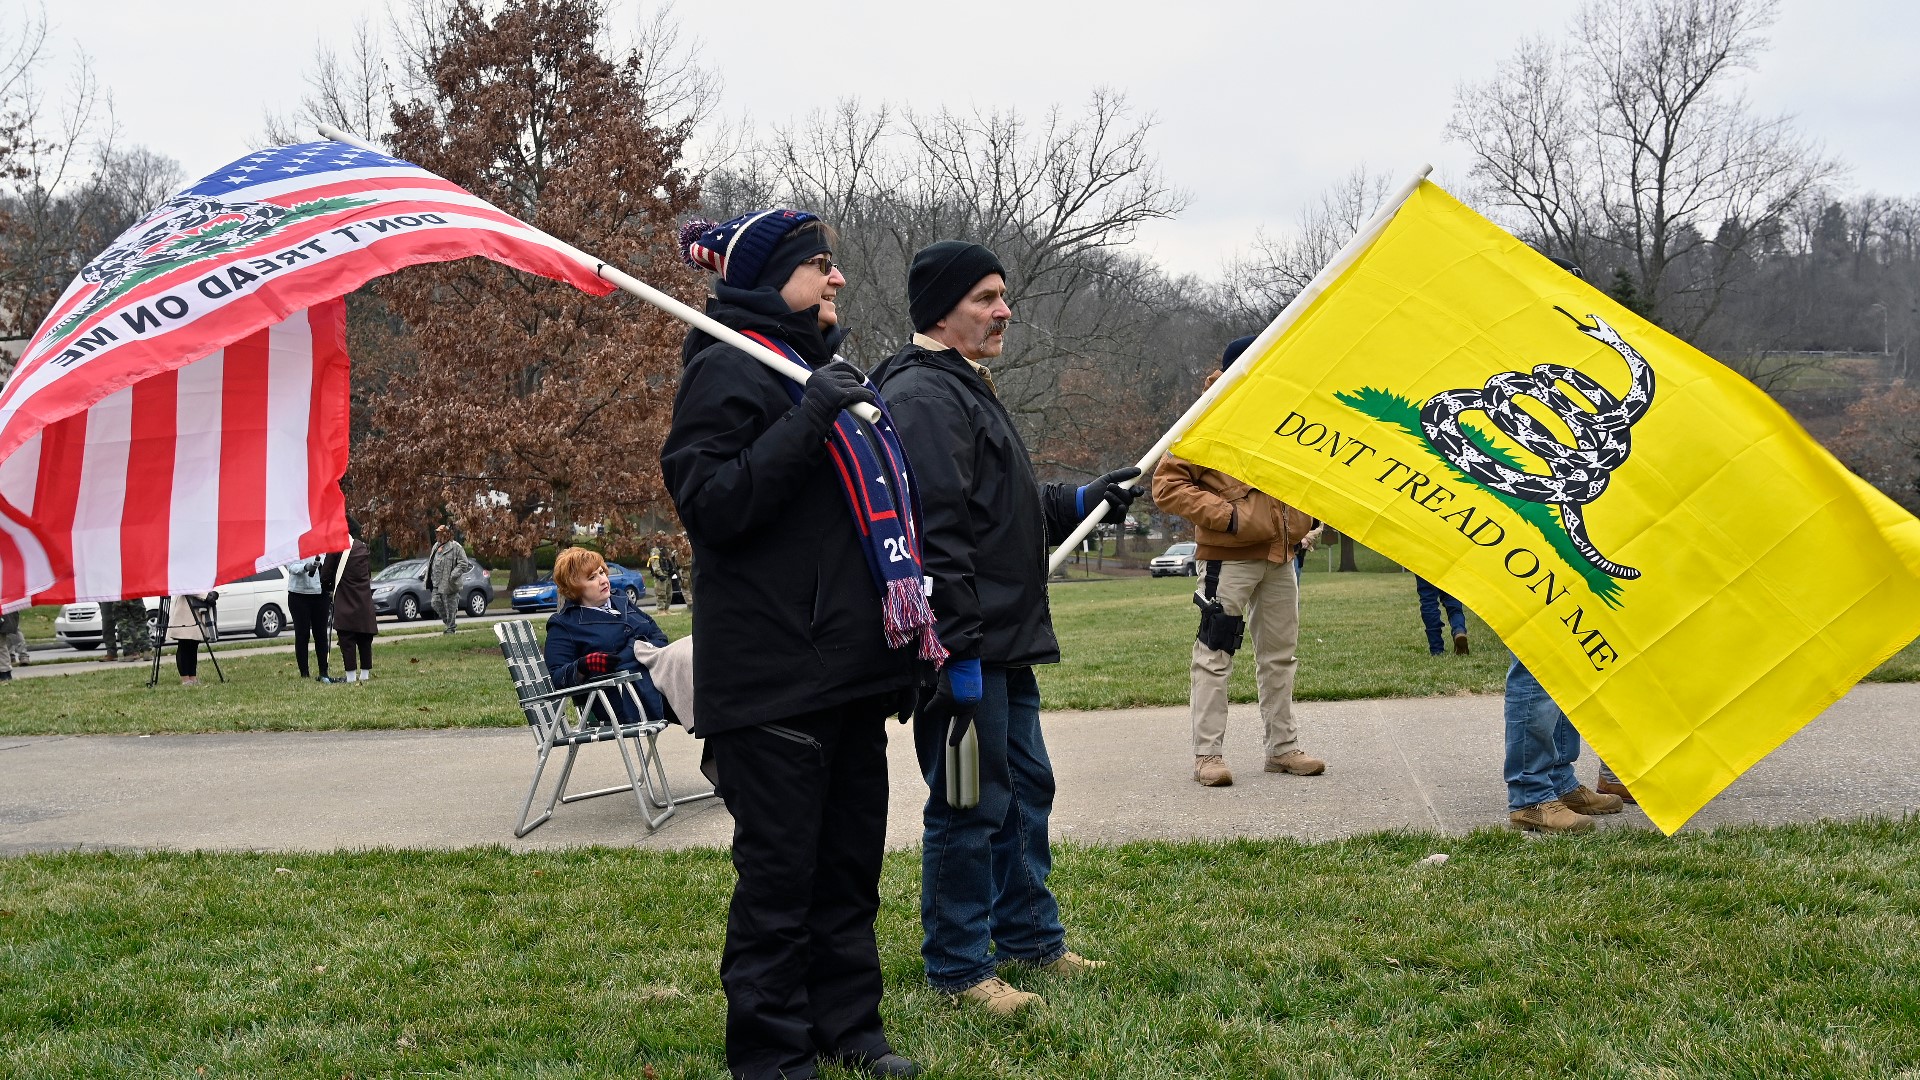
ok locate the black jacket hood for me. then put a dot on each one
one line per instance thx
(765, 311)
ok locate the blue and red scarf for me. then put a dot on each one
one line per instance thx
(880, 492)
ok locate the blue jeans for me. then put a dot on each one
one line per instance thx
(983, 871)
(1431, 600)
(1541, 743)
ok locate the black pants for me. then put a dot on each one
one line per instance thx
(356, 651)
(186, 658)
(309, 611)
(801, 969)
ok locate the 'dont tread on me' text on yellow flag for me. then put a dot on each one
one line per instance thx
(1682, 567)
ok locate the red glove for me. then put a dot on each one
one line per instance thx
(596, 663)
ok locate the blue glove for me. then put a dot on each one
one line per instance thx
(963, 676)
(1111, 489)
(956, 699)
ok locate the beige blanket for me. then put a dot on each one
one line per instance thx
(672, 669)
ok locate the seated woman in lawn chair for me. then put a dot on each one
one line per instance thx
(593, 634)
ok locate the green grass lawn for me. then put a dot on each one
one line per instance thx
(420, 681)
(36, 623)
(1127, 642)
(1130, 642)
(1734, 953)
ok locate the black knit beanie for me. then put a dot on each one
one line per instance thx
(941, 276)
(1234, 349)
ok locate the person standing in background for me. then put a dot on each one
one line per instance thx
(9, 630)
(189, 619)
(353, 616)
(309, 599)
(447, 566)
(1432, 600)
(1249, 546)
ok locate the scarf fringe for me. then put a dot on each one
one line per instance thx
(907, 616)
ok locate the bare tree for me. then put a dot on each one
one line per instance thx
(66, 188)
(1630, 147)
(1524, 129)
(1256, 284)
(1057, 198)
(355, 94)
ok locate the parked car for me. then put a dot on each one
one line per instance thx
(400, 590)
(255, 604)
(1175, 561)
(543, 595)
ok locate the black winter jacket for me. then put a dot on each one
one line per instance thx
(788, 619)
(986, 524)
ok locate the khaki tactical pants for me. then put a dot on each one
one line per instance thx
(1267, 595)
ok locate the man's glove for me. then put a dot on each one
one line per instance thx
(1113, 489)
(956, 698)
(834, 387)
(596, 663)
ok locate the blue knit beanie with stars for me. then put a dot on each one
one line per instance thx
(748, 251)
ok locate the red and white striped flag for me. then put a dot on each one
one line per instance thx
(180, 419)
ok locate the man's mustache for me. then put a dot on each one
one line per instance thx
(999, 326)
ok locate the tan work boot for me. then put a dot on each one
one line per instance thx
(1297, 763)
(1582, 800)
(1071, 963)
(1614, 787)
(1210, 770)
(1551, 816)
(996, 996)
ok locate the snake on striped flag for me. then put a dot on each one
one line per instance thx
(1576, 474)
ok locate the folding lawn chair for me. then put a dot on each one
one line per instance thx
(558, 722)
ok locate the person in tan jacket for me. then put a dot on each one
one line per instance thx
(1247, 543)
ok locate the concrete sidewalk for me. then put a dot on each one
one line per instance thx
(1422, 763)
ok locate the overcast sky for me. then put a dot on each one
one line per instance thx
(1261, 105)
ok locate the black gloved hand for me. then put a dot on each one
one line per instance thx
(955, 698)
(1113, 489)
(835, 387)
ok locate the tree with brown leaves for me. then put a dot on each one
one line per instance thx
(515, 406)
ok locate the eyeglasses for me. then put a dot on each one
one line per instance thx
(822, 263)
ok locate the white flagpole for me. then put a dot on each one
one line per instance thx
(651, 295)
(1280, 324)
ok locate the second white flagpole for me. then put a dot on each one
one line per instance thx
(1286, 318)
(651, 295)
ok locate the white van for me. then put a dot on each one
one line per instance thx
(256, 604)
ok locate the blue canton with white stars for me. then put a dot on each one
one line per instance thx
(287, 162)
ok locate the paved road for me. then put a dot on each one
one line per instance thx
(1423, 763)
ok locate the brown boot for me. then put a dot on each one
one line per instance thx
(997, 996)
(1551, 816)
(1459, 644)
(1210, 770)
(1070, 963)
(1582, 800)
(1614, 787)
(1297, 763)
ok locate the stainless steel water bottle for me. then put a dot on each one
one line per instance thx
(963, 768)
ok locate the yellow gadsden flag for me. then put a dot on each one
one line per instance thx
(1683, 568)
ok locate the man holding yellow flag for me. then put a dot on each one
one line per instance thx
(1650, 533)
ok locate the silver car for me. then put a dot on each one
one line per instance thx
(1176, 561)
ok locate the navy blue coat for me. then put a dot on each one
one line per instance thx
(574, 631)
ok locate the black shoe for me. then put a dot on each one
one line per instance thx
(888, 1064)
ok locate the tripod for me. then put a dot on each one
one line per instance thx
(203, 617)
